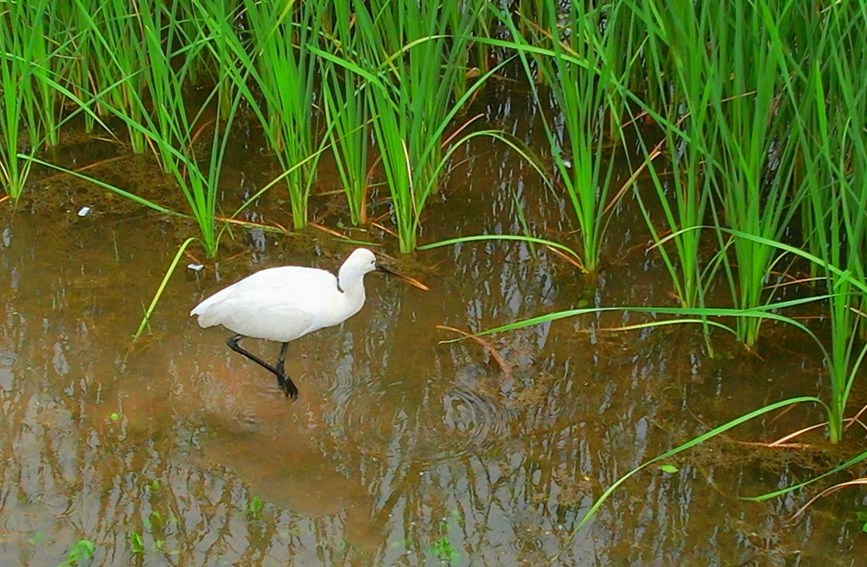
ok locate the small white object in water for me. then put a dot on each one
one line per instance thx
(84, 211)
(196, 267)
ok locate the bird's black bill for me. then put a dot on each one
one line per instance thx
(410, 280)
(283, 380)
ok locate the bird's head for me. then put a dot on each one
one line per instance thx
(362, 261)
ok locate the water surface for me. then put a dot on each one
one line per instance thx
(401, 450)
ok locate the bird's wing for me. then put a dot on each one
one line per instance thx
(279, 304)
(272, 282)
(301, 283)
(202, 307)
(260, 317)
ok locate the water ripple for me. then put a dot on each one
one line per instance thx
(462, 421)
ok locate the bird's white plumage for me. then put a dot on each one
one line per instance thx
(283, 304)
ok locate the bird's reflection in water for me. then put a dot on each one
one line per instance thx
(282, 453)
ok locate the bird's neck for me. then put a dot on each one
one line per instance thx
(350, 285)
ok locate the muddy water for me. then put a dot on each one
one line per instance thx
(401, 450)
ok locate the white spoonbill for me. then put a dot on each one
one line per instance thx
(285, 303)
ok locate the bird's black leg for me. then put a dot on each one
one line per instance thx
(282, 358)
(232, 342)
(284, 381)
(288, 386)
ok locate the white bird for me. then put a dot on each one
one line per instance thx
(285, 303)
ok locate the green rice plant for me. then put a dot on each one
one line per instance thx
(285, 70)
(46, 39)
(470, 56)
(782, 405)
(842, 379)
(13, 172)
(100, 56)
(634, 51)
(240, 71)
(37, 47)
(39, 41)
(186, 18)
(481, 58)
(172, 129)
(346, 112)
(678, 81)
(844, 222)
(80, 554)
(844, 358)
(19, 95)
(752, 150)
(149, 311)
(824, 83)
(223, 20)
(117, 55)
(73, 63)
(833, 181)
(572, 59)
(840, 139)
(411, 65)
(845, 355)
(625, 53)
(169, 125)
(531, 240)
(806, 76)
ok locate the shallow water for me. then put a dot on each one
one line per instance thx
(402, 450)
